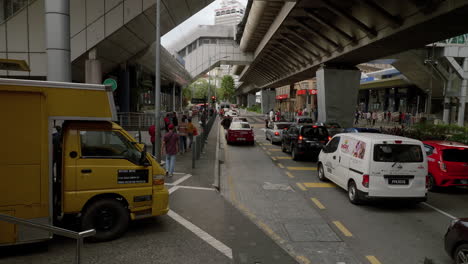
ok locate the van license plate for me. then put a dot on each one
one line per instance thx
(398, 181)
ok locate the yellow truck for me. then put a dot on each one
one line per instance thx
(62, 158)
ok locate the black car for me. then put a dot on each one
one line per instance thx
(361, 130)
(456, 241)
(304, 140)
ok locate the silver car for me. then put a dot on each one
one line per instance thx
(274, 132)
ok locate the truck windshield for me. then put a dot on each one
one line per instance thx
(107, 144)
(455, 155)
(397, 153)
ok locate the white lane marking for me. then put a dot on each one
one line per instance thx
(202, 234)
(182, 179)
(196, 188)
(173, 189)
(440, 211)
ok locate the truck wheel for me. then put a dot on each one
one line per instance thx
(321, 173)
(353, 193)
(108, 217)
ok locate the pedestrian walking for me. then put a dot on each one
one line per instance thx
(183, 135)
(152, 132)
(272, 115)
(374, 118)
(167, 122)
(190, 132)
(369, 117)
(175, 121)
(356, 118)
(170, 147)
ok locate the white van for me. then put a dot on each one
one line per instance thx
(375, 166)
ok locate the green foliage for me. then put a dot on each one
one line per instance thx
(435, 132)
(201, 88)
(255, 108)
(227, 90)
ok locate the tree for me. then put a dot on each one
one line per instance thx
(201, 88)
(227, 90)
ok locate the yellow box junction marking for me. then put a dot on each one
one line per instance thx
(289, 175)
(273, 158)
(318, 185)
(303, 168)
(373, 260)
(274, 149)
(303, 260)
(268, 152)
(301, 186)
(317, 203)
(281, 157)
(342, 228)
(281, 165)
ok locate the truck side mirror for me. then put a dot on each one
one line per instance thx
(143, 159)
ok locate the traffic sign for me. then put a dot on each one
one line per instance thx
(111, 82)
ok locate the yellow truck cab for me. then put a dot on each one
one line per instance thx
(63, 157)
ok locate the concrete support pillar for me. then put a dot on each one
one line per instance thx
(57, 32)
(463, 90)
(173, 97)
(268, 100)
(251, 100)
(448, 88)
(337, 95)
(93, 70)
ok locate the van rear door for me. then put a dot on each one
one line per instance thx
(398, 169)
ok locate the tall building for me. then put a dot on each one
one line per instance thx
(230, 13)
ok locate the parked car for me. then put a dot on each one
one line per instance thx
(303, 120)
(456, 240)
(304, 140)
(375, 166)
(448, 164)
(361, 130)
(239, 119)
(274, 132)
(240, 132)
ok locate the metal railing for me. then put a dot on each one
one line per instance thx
(199, 141)
(79, 236)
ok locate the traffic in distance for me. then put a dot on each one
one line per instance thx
(372, 167)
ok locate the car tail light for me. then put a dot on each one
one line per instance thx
(442, 166)
(365, 180)
(329, 138)
(300, 139)
(314, 126)
(398, 141)
(276, 133)
(158, 179)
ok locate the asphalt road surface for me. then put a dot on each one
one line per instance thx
(316, 223)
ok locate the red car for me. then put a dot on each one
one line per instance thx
(240, 132)
(448, 164)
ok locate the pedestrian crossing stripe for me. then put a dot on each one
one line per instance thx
(318, 185)
(303, 168)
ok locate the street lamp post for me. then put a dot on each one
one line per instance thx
(157, 94)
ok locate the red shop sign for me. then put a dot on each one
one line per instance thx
(303, 92)
(282, 96)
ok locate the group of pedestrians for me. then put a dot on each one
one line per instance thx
(177, 139)
(372, 116)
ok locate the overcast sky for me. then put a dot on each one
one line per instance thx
(203, 17)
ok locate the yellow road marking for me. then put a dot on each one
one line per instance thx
(318, 185)
(289, 175)
(342, 228)
(268, 152)
(303, 260)
(317, 203)
(281, 157)
(281, 165)
(373, 260)
(273, 158)
(263, 148)
(303, 168)
(274, 149)
(301, 186)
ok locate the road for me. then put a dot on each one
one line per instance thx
(316, 223)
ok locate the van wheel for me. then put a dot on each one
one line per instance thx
(108, 217)
(321, 173)
(432, 186)
(461, 254)
(353, 193)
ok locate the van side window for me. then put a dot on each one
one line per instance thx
(105, 144)
(332, 146)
